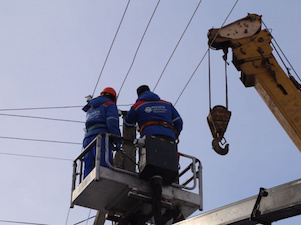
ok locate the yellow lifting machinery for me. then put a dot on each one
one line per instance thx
(252, 55)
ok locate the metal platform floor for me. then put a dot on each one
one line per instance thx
(124, 193)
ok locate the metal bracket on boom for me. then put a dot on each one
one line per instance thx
(255, 216)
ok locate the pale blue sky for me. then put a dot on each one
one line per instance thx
(52, 52)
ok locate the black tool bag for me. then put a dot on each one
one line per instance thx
(159, 156)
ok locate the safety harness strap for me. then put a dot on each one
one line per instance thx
(158, 123)
(96, 126)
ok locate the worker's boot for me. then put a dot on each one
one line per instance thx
(174, 214)
(156, 192)
(177, 215)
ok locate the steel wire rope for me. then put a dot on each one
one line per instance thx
(282, 54)
(209, 79)
(226, 81)
(134, 58)
(105, 62)
(205, 54)
(177, 45)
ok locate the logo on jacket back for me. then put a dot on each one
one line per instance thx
(93, 114)
(148, 109)
(155, 109)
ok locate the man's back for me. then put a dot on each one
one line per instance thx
(154, 116)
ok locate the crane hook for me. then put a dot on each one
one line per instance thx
(219, 149)
(218, 120)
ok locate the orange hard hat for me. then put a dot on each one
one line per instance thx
(109, 90)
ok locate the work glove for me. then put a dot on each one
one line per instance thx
(118, 146)
(89, 98)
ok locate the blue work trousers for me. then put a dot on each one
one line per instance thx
(89, 158)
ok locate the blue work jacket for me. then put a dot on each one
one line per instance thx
(102, 117)
(150, 108)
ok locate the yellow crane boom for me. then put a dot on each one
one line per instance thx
(252, 55)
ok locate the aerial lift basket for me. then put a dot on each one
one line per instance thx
(119, 193)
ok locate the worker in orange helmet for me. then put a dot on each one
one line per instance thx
(102, 117)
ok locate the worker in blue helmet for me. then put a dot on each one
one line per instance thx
(154, 115)
(102, 117)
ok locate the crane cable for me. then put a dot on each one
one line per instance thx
(177, 45)
(282, 55)
(205, 54)
(134, 58)
(209, 80)
(111, 47)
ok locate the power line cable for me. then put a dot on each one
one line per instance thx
(111, 47)
(191, 77)
(52, 107)
(57, 107)
(34, 156)
(88, 216)
(84, 220)
(205, 54)
(67, 216)
(43, 118)
(139, 47)
(20, 222)
(177, 45)
(39, 140)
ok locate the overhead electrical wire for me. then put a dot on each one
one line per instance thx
(20, 222)
(34, 156)
(191, 77)
(84, 220)
(88, 216)
(68, 214)
(134, 58)
(39, 140)
(177, 45)
(205, 54)
(57, 107)
(62, 142)
(52, 107)
(43, 118)
(111, 47)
